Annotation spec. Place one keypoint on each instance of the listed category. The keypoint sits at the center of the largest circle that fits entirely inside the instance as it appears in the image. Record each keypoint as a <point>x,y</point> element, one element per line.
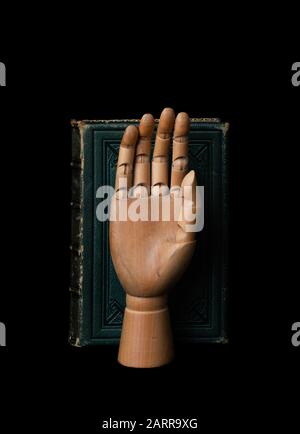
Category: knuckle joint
<point>181,163</point>
<point>160,158</point>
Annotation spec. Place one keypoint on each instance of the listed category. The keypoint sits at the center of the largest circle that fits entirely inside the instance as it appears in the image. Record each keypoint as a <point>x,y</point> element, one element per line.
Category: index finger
<point>180,149</point>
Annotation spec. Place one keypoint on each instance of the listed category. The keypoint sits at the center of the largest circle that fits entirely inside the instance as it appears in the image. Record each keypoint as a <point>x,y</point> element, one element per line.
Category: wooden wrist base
<point>146,339</point>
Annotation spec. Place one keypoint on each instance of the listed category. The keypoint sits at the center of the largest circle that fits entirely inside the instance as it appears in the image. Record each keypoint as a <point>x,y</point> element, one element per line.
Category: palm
<point>147,255</point>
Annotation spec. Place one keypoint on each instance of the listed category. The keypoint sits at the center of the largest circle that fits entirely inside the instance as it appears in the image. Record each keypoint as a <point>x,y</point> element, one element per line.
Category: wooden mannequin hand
<point>150,256</point>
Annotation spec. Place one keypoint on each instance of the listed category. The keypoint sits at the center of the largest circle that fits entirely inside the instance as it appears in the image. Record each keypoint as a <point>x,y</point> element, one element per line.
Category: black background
<point>87,75</point>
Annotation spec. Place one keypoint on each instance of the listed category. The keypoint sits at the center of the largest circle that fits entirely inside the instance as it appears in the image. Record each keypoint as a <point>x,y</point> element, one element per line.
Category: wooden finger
<point>180,150</point>
<point>142,155</point>
<point>188,208</point>
<point>161,148</point>
<point>126,159</point>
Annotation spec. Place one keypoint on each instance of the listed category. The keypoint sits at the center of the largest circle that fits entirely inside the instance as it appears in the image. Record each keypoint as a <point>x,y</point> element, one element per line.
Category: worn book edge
<point>81,124</point>
<point>77,123</point>
<point>76,248</point>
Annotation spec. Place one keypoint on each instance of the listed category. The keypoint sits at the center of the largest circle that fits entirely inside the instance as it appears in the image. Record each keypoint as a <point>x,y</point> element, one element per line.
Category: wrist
<point>146,304</point>
<point>146,339</point>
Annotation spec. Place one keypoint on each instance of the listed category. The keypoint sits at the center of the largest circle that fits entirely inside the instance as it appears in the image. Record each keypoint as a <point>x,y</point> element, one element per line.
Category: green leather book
<point>198,302</point>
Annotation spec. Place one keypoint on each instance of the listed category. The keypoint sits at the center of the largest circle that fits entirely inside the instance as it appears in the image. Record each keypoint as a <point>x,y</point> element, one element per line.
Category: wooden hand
<point>150,256</point>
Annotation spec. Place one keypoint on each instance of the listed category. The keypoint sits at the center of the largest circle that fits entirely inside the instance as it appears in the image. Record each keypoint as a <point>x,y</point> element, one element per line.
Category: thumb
<point>188,208</point>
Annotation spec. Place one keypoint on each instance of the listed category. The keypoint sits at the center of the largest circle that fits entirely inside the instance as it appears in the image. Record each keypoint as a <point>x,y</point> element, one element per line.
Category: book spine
<point>76,247</point>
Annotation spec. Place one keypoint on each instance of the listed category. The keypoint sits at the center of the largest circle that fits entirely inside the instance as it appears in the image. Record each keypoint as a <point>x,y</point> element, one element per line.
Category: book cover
<point>198,302</point>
